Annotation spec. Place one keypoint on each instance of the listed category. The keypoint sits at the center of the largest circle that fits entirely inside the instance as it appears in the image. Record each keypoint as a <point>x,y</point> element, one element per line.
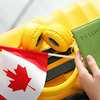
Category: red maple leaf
<point>21,79</point>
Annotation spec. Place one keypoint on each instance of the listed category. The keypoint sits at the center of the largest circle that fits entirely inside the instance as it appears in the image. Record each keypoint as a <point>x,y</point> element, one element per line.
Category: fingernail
<point>89,57</point>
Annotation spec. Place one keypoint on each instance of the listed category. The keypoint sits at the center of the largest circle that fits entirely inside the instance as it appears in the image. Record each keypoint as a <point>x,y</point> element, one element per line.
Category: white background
<point>14,13</point>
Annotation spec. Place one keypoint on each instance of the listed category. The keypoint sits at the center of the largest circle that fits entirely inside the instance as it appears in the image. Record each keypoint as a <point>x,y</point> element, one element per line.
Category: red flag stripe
<point>2,98</point>
<point>38,58</point>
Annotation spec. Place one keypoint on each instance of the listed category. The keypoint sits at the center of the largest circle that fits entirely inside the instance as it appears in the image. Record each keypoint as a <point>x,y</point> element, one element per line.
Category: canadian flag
<point>22,73</point>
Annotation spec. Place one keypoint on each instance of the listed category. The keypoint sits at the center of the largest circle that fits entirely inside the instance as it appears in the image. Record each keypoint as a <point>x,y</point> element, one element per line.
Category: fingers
<point>79,64</point>
<point>92,64</point>
<point>84,64</point>
<point>84,74</point>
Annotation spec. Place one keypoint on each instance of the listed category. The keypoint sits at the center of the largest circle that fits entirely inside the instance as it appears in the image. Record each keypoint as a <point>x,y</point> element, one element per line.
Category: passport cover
<point>87,37</point>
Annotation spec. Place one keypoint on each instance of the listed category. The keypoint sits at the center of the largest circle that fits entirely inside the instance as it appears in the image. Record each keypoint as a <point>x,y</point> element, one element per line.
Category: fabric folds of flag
<point>22,73</point>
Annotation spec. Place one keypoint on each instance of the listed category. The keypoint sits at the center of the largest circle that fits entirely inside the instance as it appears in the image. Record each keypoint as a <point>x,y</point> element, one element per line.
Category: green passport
<point>87,37</point>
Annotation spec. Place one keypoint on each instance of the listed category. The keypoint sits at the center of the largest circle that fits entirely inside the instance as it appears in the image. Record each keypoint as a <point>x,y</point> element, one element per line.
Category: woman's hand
<point>90,83</point>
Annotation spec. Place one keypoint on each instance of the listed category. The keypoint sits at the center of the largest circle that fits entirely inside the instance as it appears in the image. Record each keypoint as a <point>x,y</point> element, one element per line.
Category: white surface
<point>18,12</point>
